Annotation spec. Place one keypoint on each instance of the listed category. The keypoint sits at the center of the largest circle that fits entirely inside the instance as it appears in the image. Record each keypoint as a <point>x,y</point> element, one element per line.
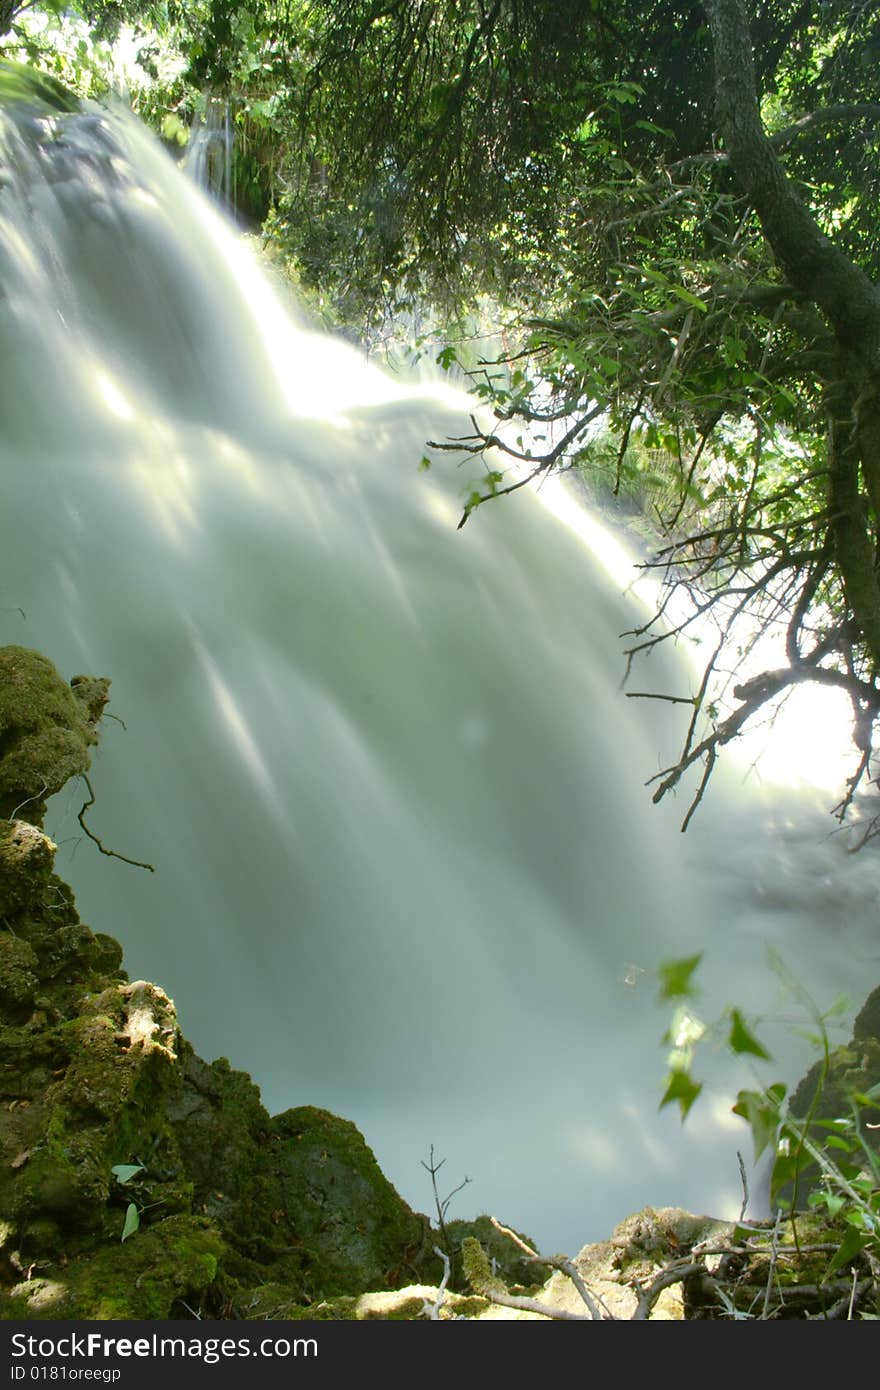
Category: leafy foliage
<point>821,1156</point>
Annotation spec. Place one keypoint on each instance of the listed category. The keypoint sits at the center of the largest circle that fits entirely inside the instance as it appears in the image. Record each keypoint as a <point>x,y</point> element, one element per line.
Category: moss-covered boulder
<point>838,1090</point>
<point>341,1205</point>
<point>168,1268</point>
<point>46,730</point>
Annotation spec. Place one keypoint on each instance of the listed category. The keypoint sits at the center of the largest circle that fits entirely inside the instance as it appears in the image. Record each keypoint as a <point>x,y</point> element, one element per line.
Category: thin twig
<point>442,1205</point>
<point>745,1185</point>
<point>36,797</point>
<point>111,853</point>
<point>432,1310</point>
<point>672,1274</point>
<point>771,1267</point>
<point>652,695</point>
<point>564,1265</point>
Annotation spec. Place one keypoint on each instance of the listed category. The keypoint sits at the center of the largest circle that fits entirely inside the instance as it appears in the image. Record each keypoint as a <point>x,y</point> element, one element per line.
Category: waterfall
<point>405,864</point>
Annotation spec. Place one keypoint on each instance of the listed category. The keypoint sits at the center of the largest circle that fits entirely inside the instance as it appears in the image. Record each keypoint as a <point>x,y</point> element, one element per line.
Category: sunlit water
<point>406,867</point>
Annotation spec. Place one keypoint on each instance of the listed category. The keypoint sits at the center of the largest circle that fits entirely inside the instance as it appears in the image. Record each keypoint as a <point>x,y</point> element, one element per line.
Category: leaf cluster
<point>822,1159</point>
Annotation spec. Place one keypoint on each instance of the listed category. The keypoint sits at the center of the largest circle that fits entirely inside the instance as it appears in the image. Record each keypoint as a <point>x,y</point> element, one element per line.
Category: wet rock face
<point>95,1077</point>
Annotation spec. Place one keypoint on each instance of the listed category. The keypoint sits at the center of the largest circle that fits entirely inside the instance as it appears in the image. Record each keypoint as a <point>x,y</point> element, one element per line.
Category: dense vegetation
<point>660,222</point>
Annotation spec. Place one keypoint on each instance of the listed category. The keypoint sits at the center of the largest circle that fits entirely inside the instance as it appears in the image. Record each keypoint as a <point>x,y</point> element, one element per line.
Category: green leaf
<point>675,977</point>
<point>742,1039</point>
<point>688,298</point>
<point>842,1006</point>
<point>761,1110</point>
<point>852,1245</point>
<point>124,1172</point>
<point>827,1200</point>
<point>855,1217</point>
<point>132,1221</point>
<point>652,128</point>
<point>787,1168</point>
<point>834,1141</point>
<point>681,1087</point>
<point>424,463</point>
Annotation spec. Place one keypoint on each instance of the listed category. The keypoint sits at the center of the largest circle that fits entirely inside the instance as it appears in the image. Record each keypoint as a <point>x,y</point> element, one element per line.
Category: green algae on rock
<point>47,729</point>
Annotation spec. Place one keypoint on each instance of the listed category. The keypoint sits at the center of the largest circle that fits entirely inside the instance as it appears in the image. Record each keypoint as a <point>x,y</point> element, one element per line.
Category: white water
<point>406,868</point>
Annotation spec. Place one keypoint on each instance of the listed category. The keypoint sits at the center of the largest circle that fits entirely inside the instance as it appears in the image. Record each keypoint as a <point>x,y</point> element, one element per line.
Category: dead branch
<point>111,853</point>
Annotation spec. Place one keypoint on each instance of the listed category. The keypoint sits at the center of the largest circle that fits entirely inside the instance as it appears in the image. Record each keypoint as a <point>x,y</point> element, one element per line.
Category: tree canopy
<point>667,214</point>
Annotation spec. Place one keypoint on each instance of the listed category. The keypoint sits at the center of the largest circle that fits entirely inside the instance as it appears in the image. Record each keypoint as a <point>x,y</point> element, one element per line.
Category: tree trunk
<point>842,291</point>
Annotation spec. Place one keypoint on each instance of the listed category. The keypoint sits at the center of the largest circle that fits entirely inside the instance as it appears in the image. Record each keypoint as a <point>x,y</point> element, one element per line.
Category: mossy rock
<point>409,1304</point>
<point>46,730</point>
<point>512,1265</point>
<point>342,1207</point>
<point>26,859</point>
<point>144,1277</point>
<point>853,1071</point>
<point>221,1126</point>
<point>867,1023</point>
<point>89,1093</point>
<point>18,980</point>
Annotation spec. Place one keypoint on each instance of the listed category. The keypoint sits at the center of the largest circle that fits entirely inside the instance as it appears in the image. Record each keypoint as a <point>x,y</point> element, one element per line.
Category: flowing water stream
<point>406,867</point>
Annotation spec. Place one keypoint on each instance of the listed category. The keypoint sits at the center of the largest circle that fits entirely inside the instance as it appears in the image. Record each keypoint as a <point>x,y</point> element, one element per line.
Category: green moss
<point>405,1310</point>
<point>144,1277</point>
<point>357,1228</point>
<point>46,732</point>
<point>508,1260</point>
<point>867,1024</point>
<point>26,858</point>
<point>103,1102</point>
<point>478,1270</point>
<point>342,1309</point>
<point>18,981</point>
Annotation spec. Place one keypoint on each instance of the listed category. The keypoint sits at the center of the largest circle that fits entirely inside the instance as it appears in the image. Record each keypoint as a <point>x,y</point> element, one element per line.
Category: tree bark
<point>810,259</point>
<point>841,290</point>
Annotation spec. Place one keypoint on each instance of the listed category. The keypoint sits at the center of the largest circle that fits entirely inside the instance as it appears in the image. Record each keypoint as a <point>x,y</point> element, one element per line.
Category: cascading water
<point>405,865</point>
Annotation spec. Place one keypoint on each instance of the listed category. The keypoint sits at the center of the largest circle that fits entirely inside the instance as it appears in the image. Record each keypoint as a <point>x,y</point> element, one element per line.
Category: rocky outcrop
<point>827,1090</point>
<point>47,729</point>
